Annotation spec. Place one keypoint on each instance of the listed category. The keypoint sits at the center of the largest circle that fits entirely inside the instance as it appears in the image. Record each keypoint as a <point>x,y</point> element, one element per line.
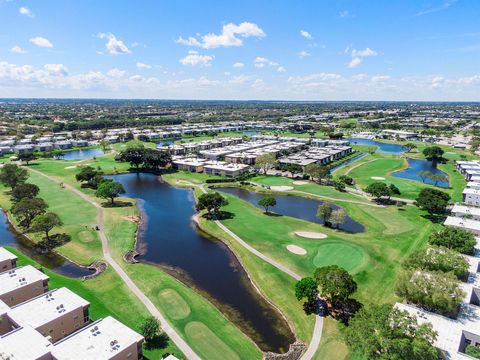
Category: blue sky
<point>279,50</point>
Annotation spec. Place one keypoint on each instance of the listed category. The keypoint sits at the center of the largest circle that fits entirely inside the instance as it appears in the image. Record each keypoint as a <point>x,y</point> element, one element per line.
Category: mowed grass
<point>180,304</point>
<point>108,296</point>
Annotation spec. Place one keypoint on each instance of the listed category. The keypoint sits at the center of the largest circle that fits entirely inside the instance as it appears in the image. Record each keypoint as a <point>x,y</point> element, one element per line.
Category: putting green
<point>209,345</point>
<point>175,306</point>
<point>349,256</point>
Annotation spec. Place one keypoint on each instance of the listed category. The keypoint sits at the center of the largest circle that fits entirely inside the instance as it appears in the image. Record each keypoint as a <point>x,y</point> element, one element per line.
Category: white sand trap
<point>70,167</point>
<point>377,178</point>
<point>310,235</point>
<point>281,188</point>
<point>300,182</point>
<point>296,250</point>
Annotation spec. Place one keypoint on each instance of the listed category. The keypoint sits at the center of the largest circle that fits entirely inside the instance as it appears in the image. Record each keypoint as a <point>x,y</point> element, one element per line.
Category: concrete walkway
<point>317,331</point>
<point>170,331</point>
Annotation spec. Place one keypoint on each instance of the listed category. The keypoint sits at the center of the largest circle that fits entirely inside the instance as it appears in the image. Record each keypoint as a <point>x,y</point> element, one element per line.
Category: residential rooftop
<point>24,343</point>
<point>19,277</point>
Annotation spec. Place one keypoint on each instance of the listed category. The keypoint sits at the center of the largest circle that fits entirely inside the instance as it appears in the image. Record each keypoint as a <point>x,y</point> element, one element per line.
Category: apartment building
<point>55,314</point>
<point>7,260</point>
<point>25,343</point>
<point>21,284</point>
<point>105,339</point>
<point>471,196</point>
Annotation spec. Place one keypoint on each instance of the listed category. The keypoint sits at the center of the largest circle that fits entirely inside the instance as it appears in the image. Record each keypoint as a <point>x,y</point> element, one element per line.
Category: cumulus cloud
<point>116,73</point>
<point>25,11</point>
<point>344,14</point>
<point>238,65</point>
<point>195,59</point>
<point>56,69</point>
<point>17,50</point>
<point>281,69</point>
<point>114,45</point>
<point>143,66</point>
<point>261,62</point>
<point>41,42</point>
<point>306,34</point>
<point>302,54</point>
<point>231,35</point>
<point>358,55</point>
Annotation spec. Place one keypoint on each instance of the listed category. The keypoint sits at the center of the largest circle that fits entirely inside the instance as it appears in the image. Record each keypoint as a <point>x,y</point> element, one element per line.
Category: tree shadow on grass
<point>221,215</point>
<point>272,214</point>
<point>116,204</point>
<point>55,240</point>
<point>160,341</point>
<point>435,218</point>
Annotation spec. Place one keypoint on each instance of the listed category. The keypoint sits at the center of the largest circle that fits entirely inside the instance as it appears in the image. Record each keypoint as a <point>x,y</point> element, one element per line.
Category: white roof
<point>24,343</point>
<point>19,277</point>
<point>101,340</point>
<point>473,184</point>
<point>47,307</point>
<point>6,255</point>
<point>468,210</point>
<point>471,191</point>
<point>4,308</point>
<point>463,223</point>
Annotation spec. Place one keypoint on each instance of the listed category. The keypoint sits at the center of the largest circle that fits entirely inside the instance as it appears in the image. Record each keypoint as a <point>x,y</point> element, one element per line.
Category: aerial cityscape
<point>247,180</point>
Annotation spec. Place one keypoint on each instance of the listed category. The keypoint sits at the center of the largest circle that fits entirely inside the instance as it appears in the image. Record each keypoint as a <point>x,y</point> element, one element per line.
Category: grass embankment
<point>202,324</point>
<point>205,329</point>
<point>107,296</point>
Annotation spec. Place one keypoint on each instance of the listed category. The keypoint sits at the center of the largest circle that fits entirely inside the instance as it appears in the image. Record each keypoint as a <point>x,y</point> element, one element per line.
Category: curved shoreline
<point>218,305</point>
<point>98,266</point>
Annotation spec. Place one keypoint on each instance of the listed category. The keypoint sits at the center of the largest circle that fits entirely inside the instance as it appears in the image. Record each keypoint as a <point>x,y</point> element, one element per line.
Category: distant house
<point>471,196</point>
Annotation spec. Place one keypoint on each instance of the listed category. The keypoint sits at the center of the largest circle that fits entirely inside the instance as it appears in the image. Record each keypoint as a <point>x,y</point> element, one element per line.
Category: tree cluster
<point>139,156</point>
<point>330,215</point>
<point>433,201</point>
<point>379,190</point>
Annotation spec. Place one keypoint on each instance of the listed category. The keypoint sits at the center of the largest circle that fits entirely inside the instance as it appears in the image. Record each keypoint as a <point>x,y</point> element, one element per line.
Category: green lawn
<point>107,296</point>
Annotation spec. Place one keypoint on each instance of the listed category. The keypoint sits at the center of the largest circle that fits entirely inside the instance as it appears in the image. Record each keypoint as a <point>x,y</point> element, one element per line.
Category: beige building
<point>106,339</point>
<point>25,343</point>
<point>21,284</point>
<point>7,260</point>
<point>55,314</point>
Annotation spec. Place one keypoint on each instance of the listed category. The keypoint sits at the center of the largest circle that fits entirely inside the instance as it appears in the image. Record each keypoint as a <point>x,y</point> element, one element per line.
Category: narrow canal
<point>293,206</point>
<point>169,238</point>
<point>52,261</point>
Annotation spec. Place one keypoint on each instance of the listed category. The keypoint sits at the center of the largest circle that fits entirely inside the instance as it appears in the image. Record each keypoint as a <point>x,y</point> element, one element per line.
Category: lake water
<point>249,132</point>
<point>164,143</point>
<point>170,238</point>
<point>382,147</point>
<point>293,206</point>
<point>82,154</point>
<point>416,166</point>
<point>52,261</point>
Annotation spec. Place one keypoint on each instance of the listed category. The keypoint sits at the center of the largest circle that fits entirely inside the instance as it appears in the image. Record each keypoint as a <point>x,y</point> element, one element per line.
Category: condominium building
<point>25,343</point>
<point>7,260</point>
<point>105,339</point>
<point>55,314</point>
<point>21,284</point>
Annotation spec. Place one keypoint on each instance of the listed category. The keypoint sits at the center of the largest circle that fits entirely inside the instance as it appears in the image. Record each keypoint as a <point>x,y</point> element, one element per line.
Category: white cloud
<point>380,78</point>
<point>142,65</point>
<point>17,50</point>
<point>41,42</point>
<point>306,34</point>
<point>25,11</point>
<point>303,54</point>
<point>114,46</point>
<point>344,14</point>
<point>358,55</point>
<point>444,6</point>
<point>238,65</point>
<point>116,73</point>
<point>195,59</point>
<point>261,62</point>
<point>354,62</point>
<point>231,35</point>
<point>240,79</point>
<point>281,69</point>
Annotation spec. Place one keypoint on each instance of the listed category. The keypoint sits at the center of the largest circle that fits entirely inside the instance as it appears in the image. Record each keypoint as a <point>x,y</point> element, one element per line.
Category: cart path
<point>166,327</point>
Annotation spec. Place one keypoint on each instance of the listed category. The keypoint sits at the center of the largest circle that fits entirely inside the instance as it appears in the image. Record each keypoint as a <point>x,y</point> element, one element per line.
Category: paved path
<point>317,331</point>
<point>170,331</point>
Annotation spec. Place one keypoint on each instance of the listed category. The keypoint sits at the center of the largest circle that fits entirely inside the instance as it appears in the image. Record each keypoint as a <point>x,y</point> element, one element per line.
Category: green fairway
<point>107,295</point>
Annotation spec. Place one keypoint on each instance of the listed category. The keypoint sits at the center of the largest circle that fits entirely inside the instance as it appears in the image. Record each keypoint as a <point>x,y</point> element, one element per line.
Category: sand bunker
<point>70,167</point>
<point>310,235</point>
<point>300,182</point>
<point>296,249</point>
<point>281,188</point>
<point>377,178</point>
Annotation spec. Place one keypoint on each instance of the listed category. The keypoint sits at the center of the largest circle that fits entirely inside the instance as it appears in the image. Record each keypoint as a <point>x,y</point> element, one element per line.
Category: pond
<point>82,154</point>
<point>415,166</point>
<point>249,132</point>
<point>168,237</point>
<point>382,147</point>
<point>293,206</point>
<point>164,143</point>
<point>52,261</point>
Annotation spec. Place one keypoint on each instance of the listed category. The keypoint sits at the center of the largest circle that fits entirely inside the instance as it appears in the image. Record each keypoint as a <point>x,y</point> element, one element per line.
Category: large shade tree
<point>27,209</point>
<point>45,223</point>
<point>109,190</point>
<point>455,238</point>
<point>432,200</point>
<point>12,175</point>
<point>381,332</point>
<point>335,283</point>
<point>212,202</point>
